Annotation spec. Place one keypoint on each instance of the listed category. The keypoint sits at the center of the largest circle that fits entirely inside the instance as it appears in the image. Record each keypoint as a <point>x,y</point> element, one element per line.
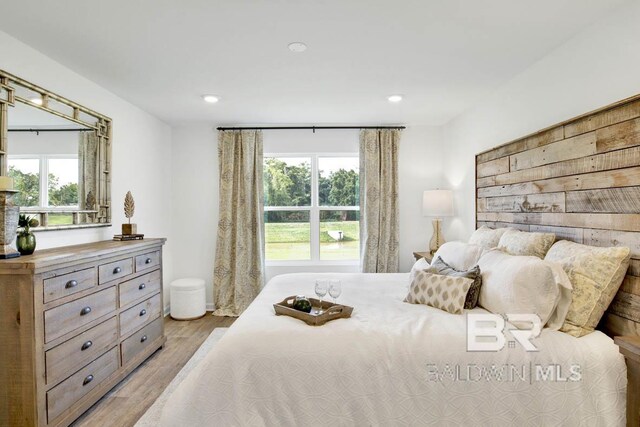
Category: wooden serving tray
<point>330,311</point>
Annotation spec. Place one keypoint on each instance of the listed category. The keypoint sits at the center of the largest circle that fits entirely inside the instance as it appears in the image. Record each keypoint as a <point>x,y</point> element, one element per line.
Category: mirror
<point>58,155</point>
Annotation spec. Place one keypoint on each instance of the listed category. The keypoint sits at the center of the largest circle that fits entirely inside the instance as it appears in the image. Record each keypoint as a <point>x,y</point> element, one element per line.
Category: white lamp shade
<point>437,203</point>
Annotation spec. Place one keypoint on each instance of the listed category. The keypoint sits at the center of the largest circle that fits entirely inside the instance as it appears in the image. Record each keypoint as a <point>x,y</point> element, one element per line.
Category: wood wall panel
<point>607,200</point>
<point>549,202</point>
<point>493,167</point>
<point>588,181</point>
<point>605,117</point>
<point>600,162</point>
<point>572,148</point>
<point>579,179</point>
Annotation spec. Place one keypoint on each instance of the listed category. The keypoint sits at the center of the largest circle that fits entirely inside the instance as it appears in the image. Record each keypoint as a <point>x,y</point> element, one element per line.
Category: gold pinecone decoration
<point>129,206</point>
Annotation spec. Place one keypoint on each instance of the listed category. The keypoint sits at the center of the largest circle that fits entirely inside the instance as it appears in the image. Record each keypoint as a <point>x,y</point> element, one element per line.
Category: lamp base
<point>437,239</point>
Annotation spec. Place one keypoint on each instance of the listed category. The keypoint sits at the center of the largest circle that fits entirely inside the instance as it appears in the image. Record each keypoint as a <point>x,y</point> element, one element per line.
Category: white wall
<point>599,66</point>
<point>195,183</point>
<point>141,149</point>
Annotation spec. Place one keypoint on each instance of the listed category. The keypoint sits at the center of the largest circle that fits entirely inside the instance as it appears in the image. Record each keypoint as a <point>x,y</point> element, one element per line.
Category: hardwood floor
<point>130,399</point>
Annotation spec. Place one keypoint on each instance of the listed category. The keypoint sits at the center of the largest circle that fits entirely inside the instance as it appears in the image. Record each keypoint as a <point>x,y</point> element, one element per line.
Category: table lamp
<point>437,204</point>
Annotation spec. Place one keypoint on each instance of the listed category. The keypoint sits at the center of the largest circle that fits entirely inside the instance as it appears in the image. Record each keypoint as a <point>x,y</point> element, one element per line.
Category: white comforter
<point>387,366</point>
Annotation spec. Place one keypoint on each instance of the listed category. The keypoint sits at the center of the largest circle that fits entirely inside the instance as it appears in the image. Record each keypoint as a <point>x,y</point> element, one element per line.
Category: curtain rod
<point>51,130</point>
<point>313,128</point>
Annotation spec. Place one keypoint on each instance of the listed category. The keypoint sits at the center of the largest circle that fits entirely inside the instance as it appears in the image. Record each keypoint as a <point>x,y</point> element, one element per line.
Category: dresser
<point>74,321</point>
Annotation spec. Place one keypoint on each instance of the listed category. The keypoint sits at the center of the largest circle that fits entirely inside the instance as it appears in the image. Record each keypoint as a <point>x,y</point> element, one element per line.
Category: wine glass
<point>321,290</point>
<point>335,289</point>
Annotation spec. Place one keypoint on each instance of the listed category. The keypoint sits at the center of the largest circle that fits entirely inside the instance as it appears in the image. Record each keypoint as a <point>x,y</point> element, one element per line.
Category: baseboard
<point>167,309</point>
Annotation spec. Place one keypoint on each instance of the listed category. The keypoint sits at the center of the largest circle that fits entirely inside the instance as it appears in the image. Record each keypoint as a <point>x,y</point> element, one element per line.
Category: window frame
<point>43,196</point>
<point>314,211</point>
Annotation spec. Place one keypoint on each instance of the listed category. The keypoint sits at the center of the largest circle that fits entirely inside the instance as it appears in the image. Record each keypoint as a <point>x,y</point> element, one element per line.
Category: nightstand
<point>425,255</point>
<point>630,349</point>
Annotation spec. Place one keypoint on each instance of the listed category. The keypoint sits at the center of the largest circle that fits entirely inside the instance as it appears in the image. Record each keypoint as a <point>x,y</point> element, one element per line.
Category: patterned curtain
<point>379,200</point>
<point>239,261</point>
<point>88,173</point>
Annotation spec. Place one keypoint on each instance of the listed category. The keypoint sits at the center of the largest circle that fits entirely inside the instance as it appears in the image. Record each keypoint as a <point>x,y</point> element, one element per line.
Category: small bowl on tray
<point>330,311</point>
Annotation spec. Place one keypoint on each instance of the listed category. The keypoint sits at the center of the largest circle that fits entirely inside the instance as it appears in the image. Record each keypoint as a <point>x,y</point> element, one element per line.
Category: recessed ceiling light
<point>36,100</point>
<point>297,47</point>
<point>395,98</point>
<point>211,99</point>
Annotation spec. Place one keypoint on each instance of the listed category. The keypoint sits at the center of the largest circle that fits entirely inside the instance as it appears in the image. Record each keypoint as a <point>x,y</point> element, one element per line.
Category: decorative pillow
<point>523,285</point>
<point>444,292</point>
<point>459,255</point>
<point>440,267</point>
<point>596,274</point>
<point>421,264</point>
<point>516,242</point>
<point>486,237</point>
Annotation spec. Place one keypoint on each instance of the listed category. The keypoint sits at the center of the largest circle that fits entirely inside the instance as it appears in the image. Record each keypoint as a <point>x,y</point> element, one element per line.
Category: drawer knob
<point>147,261</point>
<point>86,345</point>
<point>143,339</point>
<point>142,286</point>
<point>71,284</point>
<point>117,270</point>
<point>87,379</point>
<point>85,311</point>
<point>143,312</point>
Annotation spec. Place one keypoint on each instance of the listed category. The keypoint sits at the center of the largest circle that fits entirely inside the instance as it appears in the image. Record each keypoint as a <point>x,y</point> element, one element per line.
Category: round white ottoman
<point>188,300</point>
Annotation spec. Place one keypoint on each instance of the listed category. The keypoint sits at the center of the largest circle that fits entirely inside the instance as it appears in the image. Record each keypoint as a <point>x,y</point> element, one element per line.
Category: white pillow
<point>524,285</point>
<point>459,255</point>
<point>421,264</point>
<point>487,237</point>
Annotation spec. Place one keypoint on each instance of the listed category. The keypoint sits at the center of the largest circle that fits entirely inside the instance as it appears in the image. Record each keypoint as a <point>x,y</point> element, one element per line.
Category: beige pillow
<point>487,237</point>
<point>444,292</point>
<point>516,242</point>
<point>596,274</point>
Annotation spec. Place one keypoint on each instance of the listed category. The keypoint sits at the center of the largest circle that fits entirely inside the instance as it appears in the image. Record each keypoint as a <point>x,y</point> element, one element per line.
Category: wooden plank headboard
<point>579,179</point>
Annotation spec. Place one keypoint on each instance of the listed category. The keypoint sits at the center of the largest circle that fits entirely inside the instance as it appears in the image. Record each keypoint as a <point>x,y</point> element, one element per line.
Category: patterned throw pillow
<point>439,266</point>
<point>596,274</point>
<point>446,293</point>
<point>524,243</point>
<point>487,237</point>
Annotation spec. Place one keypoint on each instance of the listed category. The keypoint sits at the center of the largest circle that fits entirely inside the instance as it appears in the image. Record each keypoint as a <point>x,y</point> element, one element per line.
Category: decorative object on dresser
<point>438,204</point>
<point>26,240</point>
<point>129,209</point>
<point>8,218</point>
<point>74,321</point>
<point>579,179</point>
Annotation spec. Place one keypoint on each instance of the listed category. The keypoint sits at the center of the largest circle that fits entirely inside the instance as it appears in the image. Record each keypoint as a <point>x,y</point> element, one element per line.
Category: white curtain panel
<point>239,260</point>
<point>379,200</point>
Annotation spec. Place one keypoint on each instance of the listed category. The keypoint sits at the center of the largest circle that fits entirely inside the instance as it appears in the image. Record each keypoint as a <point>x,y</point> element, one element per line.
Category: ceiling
<point>162,55</point>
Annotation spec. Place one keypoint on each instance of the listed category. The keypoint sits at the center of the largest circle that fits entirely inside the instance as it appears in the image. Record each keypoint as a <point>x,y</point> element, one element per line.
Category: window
<point>311,205</point>
<point>46,182</point>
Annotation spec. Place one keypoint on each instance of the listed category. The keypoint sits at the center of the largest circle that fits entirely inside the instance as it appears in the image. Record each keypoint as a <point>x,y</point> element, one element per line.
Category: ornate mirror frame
<point>100,216</point>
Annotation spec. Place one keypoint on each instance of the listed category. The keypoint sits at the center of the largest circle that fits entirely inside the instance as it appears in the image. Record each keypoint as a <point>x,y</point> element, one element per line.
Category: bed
<point>394,363</point>
<point>387,365</point>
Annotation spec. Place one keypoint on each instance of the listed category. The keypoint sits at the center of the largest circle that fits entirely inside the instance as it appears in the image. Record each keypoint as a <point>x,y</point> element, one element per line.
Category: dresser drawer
<point>65,359</point>
<point>139,314</point>
<point>147,261</point>
<point>75,314</point>
<point>82,382</point>
<point>141,340</point>
<point>115,270</point>
<point>70,283</point>
<point>140,287</point>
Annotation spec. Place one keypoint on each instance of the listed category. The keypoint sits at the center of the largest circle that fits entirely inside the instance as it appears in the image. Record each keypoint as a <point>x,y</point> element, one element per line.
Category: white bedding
<point>385,366</point>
